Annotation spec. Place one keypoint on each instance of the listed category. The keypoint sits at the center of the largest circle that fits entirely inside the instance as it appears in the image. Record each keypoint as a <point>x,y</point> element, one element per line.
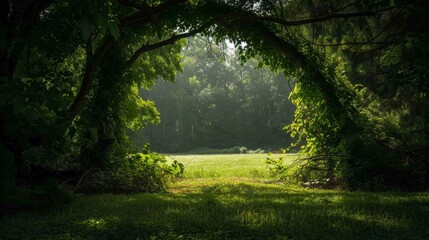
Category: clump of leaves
<point>309,171</point>
<point>141,172</point>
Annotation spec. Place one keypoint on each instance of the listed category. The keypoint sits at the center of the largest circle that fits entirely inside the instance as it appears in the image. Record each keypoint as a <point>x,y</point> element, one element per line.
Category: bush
<point>310,172</point>
<point>142,172</point>
<point>256,151</point>
<point>232,150</point>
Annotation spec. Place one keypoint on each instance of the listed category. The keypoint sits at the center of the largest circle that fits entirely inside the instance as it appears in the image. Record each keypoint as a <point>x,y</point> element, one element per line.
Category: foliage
<point>140,172</point>
<point>350,135</point>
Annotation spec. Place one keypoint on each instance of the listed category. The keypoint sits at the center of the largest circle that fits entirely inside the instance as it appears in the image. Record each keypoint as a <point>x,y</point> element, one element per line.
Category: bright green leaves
<point>194,83</point>
<point>161,63</point>
<point>138,112</point>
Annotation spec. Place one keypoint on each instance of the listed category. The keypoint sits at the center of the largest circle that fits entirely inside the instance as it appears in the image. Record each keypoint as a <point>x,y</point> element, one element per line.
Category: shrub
<point>243,150</point>
<point>309,171</point>
<point>256,151</point>
<point>232,150</point>
<point>141,172</point>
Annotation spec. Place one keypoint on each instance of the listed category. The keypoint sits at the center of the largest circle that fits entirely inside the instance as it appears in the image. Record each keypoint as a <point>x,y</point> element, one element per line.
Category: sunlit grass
<point>225,207</point>
<point>227,165</point>
<point>231,209</point>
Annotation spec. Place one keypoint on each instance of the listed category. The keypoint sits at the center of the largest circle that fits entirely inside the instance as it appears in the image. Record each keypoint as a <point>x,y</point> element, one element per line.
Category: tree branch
<point>322,18</point>
<point>135,5</point>
<point>93,60</point>
<point>147,14</point>
<point>290,52</point>
<point>171,40</point>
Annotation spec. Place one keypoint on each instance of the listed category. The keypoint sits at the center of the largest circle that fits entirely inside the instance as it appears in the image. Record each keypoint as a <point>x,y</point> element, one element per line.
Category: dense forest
<point>218,103</point>
<point>70,74</point>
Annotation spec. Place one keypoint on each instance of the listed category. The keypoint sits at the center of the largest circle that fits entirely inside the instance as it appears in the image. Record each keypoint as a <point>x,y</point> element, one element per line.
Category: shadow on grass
<point>232,211</point>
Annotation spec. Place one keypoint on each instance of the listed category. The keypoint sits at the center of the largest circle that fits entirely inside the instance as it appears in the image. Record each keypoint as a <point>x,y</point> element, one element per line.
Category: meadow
<point>229,197</point>
<point>227,165</point>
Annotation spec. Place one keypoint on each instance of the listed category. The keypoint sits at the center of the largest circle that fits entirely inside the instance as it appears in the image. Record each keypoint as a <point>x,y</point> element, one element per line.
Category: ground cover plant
<point>229,207</point>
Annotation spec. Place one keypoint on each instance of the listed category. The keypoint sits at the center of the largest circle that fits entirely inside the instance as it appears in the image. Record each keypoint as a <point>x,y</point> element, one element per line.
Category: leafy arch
<point>141,35</point>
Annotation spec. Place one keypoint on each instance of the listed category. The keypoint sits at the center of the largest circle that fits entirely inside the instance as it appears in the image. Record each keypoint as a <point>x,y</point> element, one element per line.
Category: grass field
<point>214,203</point>
<point>227,165</point>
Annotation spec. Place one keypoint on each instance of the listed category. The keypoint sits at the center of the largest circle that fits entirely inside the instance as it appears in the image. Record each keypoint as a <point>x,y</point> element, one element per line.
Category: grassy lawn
<point>228,206</point>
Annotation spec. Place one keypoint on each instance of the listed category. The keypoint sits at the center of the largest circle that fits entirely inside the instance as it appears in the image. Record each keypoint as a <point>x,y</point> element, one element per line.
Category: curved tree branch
<point>93,60</point>
<point>171,40</point>
<point>322,18</point>
<point>290,52</point>
<point>146,13</point>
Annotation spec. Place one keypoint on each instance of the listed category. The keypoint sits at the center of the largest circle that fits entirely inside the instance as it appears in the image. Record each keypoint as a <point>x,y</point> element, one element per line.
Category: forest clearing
<point>282,119</point>
<point>232,205</point>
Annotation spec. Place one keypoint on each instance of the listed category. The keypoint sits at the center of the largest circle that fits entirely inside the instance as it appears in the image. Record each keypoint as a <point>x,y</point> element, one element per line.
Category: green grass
<point>227,165</point>
<point>230,207</point>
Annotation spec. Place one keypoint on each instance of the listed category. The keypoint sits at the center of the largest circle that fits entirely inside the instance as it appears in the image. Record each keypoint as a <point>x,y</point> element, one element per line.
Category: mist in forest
<point>218,102</point>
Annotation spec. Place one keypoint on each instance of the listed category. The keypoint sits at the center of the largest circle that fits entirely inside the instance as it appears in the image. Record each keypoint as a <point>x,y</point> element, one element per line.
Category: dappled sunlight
<point>97,224</point>
<point>241,208</point>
